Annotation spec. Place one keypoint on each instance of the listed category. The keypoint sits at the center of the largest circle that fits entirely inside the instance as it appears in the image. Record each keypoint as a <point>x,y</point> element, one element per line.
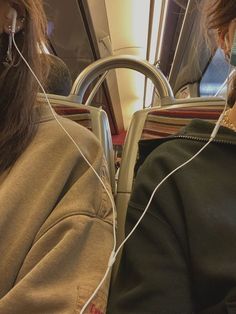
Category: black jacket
<point>182,257</point>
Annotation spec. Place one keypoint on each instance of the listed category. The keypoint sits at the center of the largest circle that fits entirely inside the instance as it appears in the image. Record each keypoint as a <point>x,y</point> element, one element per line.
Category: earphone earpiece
<point>13,23</point>
<point>13,16</point>
<point>14,19</point>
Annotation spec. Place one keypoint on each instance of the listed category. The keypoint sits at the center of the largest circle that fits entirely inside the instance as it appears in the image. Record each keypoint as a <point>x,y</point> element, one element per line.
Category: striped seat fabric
<point>165,122</point>
<point>79,115</point>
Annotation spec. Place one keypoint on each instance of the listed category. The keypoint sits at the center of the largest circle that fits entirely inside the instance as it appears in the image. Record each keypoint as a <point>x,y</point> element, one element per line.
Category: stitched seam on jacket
<point>141,210</point>
<point>68,216</point>
<point>105,198</point>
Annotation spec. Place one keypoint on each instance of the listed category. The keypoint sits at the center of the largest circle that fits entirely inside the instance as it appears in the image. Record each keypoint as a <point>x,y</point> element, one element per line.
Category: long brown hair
<point>18,88</point>
<point>217,15</point>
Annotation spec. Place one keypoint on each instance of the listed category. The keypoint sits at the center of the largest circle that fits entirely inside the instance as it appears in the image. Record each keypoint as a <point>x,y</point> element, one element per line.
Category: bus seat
<point>165,122</point>
<point>94,119</point>
<point>155,123</point>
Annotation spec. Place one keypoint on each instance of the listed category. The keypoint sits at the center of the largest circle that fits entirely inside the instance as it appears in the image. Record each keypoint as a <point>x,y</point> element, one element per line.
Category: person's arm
<point>62,269</point>
<point>70,252</point>
<point>153,276</point>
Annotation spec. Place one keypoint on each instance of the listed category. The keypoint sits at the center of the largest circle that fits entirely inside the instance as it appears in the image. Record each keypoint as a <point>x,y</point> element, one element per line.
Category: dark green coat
<point>182,257</point>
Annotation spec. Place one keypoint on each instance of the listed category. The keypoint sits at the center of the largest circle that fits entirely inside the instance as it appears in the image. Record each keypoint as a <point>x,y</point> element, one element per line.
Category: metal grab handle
<point>95,89</point>
<point>95,69</point>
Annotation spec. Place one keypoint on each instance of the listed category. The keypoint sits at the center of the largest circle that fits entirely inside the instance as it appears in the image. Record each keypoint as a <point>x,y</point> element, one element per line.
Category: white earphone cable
<point>115,252</point>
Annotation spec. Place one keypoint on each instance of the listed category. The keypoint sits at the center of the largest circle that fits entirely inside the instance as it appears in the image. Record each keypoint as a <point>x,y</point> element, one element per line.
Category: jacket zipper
<point>201,139</point>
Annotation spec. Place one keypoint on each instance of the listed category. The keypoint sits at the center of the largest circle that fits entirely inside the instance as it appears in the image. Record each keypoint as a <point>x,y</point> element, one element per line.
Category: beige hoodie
<point>55,224</point>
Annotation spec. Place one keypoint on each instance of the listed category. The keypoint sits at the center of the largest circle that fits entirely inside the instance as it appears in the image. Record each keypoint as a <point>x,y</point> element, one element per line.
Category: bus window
<point>215,75</point>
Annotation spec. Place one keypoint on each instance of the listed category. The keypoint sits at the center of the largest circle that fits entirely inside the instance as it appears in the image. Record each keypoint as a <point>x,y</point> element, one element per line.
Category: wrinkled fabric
<point>181,258</point>
<point>55,224</point>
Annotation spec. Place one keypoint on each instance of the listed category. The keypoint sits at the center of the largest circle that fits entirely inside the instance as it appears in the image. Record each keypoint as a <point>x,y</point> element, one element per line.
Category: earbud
<point>13,16</point>
<point>15,23</point>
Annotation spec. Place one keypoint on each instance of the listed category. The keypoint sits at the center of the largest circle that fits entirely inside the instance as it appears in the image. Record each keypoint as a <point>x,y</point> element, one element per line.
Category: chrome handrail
<point>98,67</point>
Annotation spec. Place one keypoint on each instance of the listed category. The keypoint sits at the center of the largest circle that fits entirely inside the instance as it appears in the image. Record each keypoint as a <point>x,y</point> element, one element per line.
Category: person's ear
<point>20,19</point>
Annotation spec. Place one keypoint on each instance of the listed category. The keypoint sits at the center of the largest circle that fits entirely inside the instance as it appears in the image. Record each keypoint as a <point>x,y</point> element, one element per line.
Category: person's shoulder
<point>178,146</point>
<point>74,132</point>
<point>160,162</point>
<point>74,128</point>
<point>65,134</point>
<point>169,151</point>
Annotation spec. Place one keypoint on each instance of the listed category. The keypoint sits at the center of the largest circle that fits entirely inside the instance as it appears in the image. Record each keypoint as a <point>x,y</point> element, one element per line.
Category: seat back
<point>94,119</point>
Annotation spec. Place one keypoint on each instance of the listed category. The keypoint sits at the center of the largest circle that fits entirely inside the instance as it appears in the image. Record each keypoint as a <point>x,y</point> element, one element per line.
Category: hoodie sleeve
<point>69,254</point>
<point>62,269</point>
